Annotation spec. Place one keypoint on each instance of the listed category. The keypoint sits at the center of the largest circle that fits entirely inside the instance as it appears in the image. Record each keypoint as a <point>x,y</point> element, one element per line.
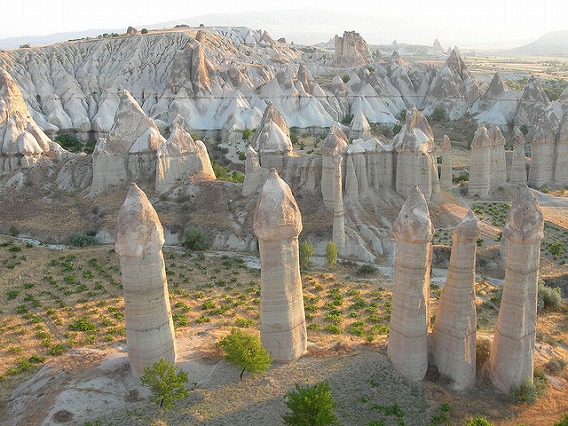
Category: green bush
<point>439,114</point>
<point>556,249</point>
<point>195,239</point>
<point>477,421</point>
<point>225,174</point>
<point>310,406</point>
<point>331,253</point>
<point>80,239</point>
<point>306,250</point>
<point>549,298</point>
<point>143,31</point>
<point>247,134</point>
<point>396,129</point>
<point>245,351</point>
<point>69,142</point>
<point>165,382</point>
<point>366,270</point>
<point>563,421</point>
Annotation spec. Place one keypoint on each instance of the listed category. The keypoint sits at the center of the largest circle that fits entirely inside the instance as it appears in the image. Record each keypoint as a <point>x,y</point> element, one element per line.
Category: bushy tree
<point>478,421</point>
<point>247,134</point>
<point>165,382</point>
<point>331,253</point>
<point>246,351</point>
<point>306,250</point>
<point>439,114</point>
<point>195,239</point>
<point>310,406</point>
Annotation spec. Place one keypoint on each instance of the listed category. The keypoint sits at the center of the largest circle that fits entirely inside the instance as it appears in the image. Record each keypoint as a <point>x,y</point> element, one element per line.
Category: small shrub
<point>247,134</point>
<point>549,298</point>
<point>346,78</point>
<point>477,421</point>
<point>396,129</point>
<point>439,114</point>
<point>331,252</point>
<point>165,382</point>
<point>69,142</point>
<point>310,406</point>
<point>241,155</point>
<point>80,239</point>
<point>144,31</point>
<point>366,270</point>
<point>347,119</point>
<point>563,421</point>
<point>556,249</point>
<point>246,351</point>
<point>306,250</point>
<point>195,239</point>
<point>13,231</point>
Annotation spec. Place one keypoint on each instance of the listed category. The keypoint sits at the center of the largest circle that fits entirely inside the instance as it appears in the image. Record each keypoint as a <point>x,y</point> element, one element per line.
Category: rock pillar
<point>139,240</point>
<point>454,332</point>
<point>277,224</point>
<point>446,174</point>
<point>498,162</point>
<point>543,148</point>
<point>518,168</point>
<point>412,232</point>
<point>561,157</point>
<point>338,212</point>
<point>480,167</point>
<point>511,360</point>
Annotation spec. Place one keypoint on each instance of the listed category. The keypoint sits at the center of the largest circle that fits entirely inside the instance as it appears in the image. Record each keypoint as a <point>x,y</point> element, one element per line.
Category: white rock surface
<point>518,173</point>
<point>480,165</point>
<point>277,224</point>
<point>408,342</point>
<point>454,331</point>
<point>511,360</point>
<point>139,239</point>
<point>543,146</point>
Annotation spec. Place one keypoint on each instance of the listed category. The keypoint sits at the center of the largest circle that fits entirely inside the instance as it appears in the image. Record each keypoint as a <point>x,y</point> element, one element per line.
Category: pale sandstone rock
<point>408,343</point>
<point>518,164</point>
<point>335,142</point>
<point>360,127</point>
<point>498,162</point>
<point>139,240</point>
<point>272,140</point>
<point>277,224</point>
<point>454,331</point>
<point>446,174</point>
<point>561,157</point>
<point>416,165</point>
<point>533,100</point>
<point>480,166</point>
<point>254,174</point>
<point>511,359</point>
<point>182,158</point>
<point>543,143</point>
<point>351,50</point>
<point>338,212</point>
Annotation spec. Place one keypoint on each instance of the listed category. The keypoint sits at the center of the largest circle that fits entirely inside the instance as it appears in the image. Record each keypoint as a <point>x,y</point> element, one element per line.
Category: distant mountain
<point>15,42</point>
<point>551,44</point>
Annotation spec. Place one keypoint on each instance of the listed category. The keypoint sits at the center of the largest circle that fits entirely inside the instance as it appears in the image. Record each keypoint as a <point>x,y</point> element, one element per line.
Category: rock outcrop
<point>335,143</point>
<point>454,331</point>
<point>360,127</point>
<point>446,174</point>
<point>351,50</point>
<point>543,145</point>
<point>416,164</point>
<point>518,175</point>
<point>498,162</point>
<point>512,353</point>
<point>181,158</point>
<point>497,105</point>
<point>277,224</point>
<point>129,151</point>
<point>408,343</point>
<point>480,165</point>
<point>561,156</point>
<point>139,240</point>
<point>22,143</point>
<point>272,139</point>
<point>254,174</point>
<point>533,101</point>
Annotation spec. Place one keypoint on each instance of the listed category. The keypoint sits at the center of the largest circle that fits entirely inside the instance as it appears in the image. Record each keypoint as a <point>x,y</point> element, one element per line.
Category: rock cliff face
<point>22,142</point>
<point>454,331</point>
<point>512,353</point>
<point>351,50</point>
<point>408,343</point>
<point>139,240</point>
<point>277,224</point>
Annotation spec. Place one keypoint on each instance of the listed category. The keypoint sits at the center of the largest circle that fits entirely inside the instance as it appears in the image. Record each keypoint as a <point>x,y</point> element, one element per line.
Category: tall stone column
<point>277,224</point>
<point>454,332</point>
<point>518,168</point>
<point>543,147</point>
<point>561,157</point>
<point>480,167</point>
<point>498,161</point>
<point>412,232</point>
<point>139,240</point>
<point>512,353</point>
<point>338,212</point>
<point>446,174</point>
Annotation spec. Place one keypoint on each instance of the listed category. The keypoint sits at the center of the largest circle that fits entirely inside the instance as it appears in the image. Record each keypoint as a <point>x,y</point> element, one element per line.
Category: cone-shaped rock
<point>512,353</point>
<point>454,332</point>
<point>139,240</point>
<point>277,224</point>
<point>412,232</point>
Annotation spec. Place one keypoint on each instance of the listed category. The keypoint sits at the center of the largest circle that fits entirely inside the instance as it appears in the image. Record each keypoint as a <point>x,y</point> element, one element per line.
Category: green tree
<point>165,382</point>
<point>439,114</point>
<point>477,421</point>
<point>195,239</point>
<point>331,252</point>
<point>310,406</point>
<point>306,250</point>
<point>247,134</point>
<point>246,351</point>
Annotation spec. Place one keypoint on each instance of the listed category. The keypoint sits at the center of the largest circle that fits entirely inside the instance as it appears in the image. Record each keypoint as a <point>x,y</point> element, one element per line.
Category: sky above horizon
<point>481,23</point>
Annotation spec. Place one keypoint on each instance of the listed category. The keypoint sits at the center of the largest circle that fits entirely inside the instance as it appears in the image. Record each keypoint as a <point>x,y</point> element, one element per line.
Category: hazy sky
<point>465,23</point>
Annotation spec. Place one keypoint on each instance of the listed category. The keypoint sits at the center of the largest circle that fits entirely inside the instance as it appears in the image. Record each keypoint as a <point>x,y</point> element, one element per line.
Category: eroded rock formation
<point>277,224</point>
<point>512,353</point>
<point>335,143</point>
<point>412,232</point>
<point>272,139</point>
<point>518,173</point>
<point>481,160</point>
<point>543,143</point>
<point>454,331</point>
<point>446,174</point>
<point>139,240</point>
<point>351,50</point>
